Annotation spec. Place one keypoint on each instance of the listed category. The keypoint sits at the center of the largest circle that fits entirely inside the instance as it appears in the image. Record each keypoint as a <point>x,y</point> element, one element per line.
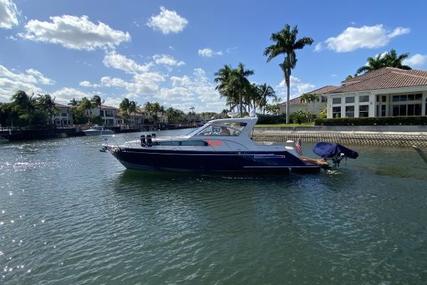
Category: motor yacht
<point>219,146</point>
<point>98,131</point>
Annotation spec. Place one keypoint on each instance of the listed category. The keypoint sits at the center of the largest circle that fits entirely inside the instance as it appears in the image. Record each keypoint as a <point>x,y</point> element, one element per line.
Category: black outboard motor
<point>153,135</point>
<point>334,152</point>
<point>143,141</point>
<point>149,141</point>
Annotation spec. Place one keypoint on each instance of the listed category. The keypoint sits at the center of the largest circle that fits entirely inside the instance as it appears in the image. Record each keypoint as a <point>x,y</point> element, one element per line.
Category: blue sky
<point>168,51</point>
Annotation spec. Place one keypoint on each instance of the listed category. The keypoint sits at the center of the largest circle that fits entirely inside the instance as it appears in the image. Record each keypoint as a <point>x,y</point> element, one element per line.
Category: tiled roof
<point>319,91</point>
<point>384,78</point>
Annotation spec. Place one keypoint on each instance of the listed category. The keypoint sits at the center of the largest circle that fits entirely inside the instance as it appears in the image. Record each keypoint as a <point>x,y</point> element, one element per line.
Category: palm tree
<point>309,97</point>
<point>46,104</point>
<point>264,92</point>
<point>389,59</point>
<point>96,101</point>
<point>234,84</point>
<point>286,43</point>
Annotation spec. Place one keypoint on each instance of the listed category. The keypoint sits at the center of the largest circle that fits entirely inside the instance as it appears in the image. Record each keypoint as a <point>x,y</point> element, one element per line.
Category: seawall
<point>345,136</point>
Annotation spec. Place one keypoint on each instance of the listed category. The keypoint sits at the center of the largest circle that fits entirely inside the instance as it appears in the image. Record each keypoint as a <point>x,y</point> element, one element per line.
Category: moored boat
<point>219,146</point>
<point>98,131</point>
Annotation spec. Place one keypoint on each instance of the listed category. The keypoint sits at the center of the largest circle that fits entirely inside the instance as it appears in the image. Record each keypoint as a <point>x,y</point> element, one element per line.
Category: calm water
<point>70,214</point>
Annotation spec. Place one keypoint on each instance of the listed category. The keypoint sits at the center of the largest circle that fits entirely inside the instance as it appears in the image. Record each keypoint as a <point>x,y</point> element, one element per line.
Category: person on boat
<point>224,131</point>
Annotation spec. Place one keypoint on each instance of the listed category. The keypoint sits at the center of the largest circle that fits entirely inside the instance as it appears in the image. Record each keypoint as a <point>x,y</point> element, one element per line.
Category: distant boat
<point>98,131</point>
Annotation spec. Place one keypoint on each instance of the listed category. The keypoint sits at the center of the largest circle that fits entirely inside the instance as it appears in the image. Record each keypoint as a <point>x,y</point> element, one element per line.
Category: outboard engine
<point>334,152</point>
<point>149,141</point>
<point>143,141</point>
<point>153,135</point>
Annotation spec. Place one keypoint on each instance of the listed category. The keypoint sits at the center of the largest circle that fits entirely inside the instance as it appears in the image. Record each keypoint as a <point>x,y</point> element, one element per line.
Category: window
<point>349,99</point>
<point>336,100</point>
<point>364,98</point>
<point>324,99</point>
<point>407,110</point>
<point>349,111</point>
<point>363,111</point>
<point>225,129</point>
<point>336,112</point>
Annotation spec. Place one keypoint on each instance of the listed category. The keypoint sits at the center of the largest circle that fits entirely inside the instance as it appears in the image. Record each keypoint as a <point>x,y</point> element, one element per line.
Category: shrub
<point>372,121</point>
<point>300,117</point>
<point>271,119</point>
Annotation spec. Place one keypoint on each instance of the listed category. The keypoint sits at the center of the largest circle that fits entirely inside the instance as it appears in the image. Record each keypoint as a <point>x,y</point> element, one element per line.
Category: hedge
<point>372,121</point>
<point>271,119</point>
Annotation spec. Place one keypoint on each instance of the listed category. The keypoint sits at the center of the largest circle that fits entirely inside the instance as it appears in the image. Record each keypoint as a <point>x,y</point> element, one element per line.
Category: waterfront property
<point>386,92</point>
<point>314,106</point>
<point>63,118</point>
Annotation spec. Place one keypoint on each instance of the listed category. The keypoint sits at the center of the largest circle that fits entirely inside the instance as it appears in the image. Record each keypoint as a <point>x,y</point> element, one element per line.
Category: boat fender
<point>143,142</point>
<point>149,141</point>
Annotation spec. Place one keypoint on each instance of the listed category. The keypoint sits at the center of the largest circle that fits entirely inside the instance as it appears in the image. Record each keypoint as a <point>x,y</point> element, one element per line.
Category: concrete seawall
<point>378,138</point>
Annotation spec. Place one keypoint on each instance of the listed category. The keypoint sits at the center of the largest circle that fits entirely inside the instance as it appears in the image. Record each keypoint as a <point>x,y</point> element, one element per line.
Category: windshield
<point>222,129</point>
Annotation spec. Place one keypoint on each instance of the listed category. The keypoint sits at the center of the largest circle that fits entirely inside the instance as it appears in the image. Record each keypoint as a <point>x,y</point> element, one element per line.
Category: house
<point>109,115</point>
<point>386,92</point>
<point>63,117</point>
<point>314,107</point>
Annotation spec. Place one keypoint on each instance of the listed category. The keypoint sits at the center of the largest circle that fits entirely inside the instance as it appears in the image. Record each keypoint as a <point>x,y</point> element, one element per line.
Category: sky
<point>169,51</point>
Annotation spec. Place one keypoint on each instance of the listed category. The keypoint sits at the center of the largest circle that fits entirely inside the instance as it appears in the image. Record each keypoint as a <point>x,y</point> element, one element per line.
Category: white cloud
<point>167,60</point>
<point>298,87</point>
<point>88,84</point>
<point>64,95</point>
<point>121,62</point>
<point>28,81</point>
<point>207,52</point>
<point>8,14</point>
<point>318,47</point>
<point>416,60</point>
<point>353,38</point>
<point>74,32</point>
<point>168,21</point>
<point>145,83</point>
<point>196,90</point>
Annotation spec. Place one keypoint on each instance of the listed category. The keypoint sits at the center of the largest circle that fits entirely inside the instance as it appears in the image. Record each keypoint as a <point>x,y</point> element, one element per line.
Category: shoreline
<point>350,137</point>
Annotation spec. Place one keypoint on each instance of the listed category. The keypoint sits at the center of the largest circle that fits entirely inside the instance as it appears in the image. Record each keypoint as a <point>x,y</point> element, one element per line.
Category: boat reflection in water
<point>222,146</point>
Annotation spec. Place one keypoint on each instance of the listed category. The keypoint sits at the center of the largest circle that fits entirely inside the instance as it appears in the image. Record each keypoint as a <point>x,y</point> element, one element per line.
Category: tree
<point>309,97</point>
<point>127,108</point>
<point>264,92</point>
<point>46,104</point>
<point>96,101</point>
<point>272,109</point>
<point>389,59</point>
<point>286,43</point>
<point>234,85</point>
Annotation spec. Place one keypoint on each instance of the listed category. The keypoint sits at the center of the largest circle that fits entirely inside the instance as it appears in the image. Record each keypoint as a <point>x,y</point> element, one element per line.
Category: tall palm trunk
<point>288,92</point>
<point>241,105</point>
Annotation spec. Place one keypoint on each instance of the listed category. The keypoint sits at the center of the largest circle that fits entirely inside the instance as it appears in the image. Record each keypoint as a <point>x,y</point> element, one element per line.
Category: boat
<point>222,146</point>
<point>98,131</point>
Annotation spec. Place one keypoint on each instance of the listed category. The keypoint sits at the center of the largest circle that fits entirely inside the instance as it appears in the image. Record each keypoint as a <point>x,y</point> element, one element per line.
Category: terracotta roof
<point>322,90</point>
<point>384,78</point>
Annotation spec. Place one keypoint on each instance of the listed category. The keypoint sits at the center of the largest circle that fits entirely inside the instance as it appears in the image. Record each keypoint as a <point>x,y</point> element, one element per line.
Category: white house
<point>386,92</point>
<point>315,107</point>
<point>63,117</point>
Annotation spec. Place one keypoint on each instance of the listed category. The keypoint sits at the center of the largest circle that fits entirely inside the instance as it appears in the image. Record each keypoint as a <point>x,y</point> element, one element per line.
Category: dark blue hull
<point>213,162</point>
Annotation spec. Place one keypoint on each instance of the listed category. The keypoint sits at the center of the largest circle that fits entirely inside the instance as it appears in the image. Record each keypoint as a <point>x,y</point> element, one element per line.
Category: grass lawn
<point>284,125</point>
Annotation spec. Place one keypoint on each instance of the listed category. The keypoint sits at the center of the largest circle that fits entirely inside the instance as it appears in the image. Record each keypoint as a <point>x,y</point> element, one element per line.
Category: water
<point>70,214</point>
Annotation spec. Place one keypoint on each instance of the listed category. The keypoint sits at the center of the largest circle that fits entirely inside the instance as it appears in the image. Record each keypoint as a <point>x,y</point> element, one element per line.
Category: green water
<point>70,214</point>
